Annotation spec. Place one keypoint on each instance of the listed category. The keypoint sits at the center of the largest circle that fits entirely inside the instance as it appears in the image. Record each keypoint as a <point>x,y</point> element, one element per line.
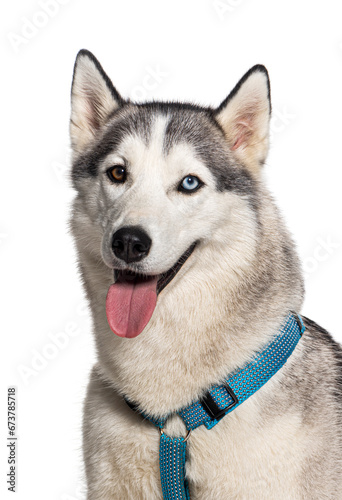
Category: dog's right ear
<point>93,97</point>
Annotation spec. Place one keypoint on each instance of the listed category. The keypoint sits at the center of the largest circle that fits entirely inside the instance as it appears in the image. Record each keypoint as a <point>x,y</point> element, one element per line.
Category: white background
<point>199,49</point>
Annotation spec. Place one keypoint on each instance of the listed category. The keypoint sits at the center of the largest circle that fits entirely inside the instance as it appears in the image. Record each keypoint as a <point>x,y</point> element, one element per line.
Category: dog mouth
<point>132,298</point>
<point>163,279</point>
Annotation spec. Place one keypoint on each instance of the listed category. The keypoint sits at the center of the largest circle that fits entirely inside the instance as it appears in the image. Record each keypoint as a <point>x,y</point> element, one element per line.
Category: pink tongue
<point>130,305</point>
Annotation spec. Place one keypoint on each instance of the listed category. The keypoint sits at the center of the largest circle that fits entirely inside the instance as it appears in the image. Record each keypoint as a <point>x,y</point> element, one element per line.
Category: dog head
<point>159,180</point>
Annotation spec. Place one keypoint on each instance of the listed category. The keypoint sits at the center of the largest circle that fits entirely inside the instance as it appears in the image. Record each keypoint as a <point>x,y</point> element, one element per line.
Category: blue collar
<point>220,400</point>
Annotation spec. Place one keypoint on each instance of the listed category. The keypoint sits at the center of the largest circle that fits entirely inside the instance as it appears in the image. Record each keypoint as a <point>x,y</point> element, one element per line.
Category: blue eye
<point>189,184</point>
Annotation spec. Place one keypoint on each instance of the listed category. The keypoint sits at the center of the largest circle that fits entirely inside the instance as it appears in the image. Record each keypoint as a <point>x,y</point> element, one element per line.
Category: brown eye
<point>116,174</point>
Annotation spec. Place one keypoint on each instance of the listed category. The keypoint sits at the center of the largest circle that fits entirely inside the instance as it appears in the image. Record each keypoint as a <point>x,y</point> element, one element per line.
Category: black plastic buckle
<point>210,406</point>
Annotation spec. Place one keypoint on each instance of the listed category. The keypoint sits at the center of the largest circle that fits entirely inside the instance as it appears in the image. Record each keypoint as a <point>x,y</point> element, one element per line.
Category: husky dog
<point>189,271</point>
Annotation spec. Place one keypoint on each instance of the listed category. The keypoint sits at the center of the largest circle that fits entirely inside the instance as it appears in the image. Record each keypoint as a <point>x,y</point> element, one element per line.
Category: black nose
<point>131,244</point>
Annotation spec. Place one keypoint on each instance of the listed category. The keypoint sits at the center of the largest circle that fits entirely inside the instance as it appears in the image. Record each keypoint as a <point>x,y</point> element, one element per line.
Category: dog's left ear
<point>93,98</point>
<point>245,116</point>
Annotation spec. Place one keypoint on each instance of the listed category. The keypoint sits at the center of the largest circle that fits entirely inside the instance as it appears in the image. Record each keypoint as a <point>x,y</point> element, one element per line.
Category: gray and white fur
<point>226,302</point>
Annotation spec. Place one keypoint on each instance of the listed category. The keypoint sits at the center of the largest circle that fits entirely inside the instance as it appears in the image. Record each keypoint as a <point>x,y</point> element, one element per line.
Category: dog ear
<point>245,116</point>
<point>93,97</point>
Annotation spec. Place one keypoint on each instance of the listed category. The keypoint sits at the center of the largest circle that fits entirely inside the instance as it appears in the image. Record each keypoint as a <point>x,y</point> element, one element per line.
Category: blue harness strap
<point>172,455</point>
<point>218,401</point>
